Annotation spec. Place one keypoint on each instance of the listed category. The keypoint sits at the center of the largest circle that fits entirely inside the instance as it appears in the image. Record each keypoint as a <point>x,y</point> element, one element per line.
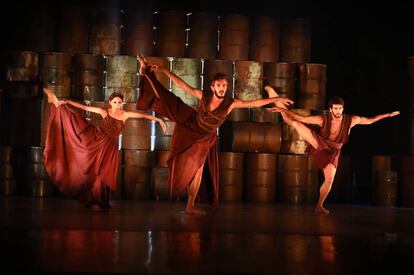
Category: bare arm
<point>97,110</point>
<point>360,120</point>
<point>260,102</point>
<point>146,116</point>
<point>178,81</point>
<point>316,120</point>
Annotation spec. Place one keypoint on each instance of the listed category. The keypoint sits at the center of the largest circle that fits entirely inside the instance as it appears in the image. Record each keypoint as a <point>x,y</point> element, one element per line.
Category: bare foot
<point>270,91</point>
<point>321,210</point>
<point>194,211</point>
<point>51,97</point>
<point>143,64</point>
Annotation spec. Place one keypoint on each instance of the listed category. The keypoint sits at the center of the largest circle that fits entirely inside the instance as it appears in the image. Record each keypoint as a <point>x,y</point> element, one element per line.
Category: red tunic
<point>82,159</point>
<point>194,141</point>
<point>330,150</point>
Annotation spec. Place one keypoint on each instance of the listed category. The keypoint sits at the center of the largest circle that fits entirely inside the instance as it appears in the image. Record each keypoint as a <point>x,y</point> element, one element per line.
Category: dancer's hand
<point>60,102</point>
<point>285,101</point>
<point>163,126</point>
<point>395,113</point>
<point>276,109</point>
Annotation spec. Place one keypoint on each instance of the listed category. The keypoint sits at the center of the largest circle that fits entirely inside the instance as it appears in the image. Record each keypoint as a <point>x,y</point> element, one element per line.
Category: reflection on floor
<point>59,235</point>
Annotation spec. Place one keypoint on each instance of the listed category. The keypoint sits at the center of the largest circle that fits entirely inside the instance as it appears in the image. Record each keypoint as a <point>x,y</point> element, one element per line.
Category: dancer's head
<point>115,100</point>
<point>336,106</point>
<point>219,85</point>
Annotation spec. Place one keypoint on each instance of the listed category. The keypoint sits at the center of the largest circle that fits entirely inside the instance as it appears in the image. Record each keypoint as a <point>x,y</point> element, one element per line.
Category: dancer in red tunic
<point>82,159</point>
<point>325,145</point>
<point>194,142</point>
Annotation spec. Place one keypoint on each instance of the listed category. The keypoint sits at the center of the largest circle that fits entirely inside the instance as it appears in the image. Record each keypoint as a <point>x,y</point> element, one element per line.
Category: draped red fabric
<point>330,150</point>
<point>194,141</point>
<point>81,159</point>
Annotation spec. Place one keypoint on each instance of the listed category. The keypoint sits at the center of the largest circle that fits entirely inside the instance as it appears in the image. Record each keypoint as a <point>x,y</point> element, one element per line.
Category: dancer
<point>82,159</point>
<point>325,145</point>
<point>193,149</point>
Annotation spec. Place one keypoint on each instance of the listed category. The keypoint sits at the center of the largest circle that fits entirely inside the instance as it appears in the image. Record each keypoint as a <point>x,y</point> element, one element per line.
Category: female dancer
<point>80,158</point>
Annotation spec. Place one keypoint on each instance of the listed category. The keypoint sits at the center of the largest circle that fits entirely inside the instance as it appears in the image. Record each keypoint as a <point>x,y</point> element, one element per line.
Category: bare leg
<point>192,190</point>
<point>301,128</point>
<point>329,174</point>
<point>143,64</point>
<point>51,97</point>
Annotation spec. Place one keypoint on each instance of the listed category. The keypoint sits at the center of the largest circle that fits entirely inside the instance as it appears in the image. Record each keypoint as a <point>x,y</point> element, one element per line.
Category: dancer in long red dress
<point>325,145</point>
<point>80,158</point>
<point>193,155</point>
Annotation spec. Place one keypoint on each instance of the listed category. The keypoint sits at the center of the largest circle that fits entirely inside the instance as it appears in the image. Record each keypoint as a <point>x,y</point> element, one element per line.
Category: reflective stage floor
<point>61,236</point>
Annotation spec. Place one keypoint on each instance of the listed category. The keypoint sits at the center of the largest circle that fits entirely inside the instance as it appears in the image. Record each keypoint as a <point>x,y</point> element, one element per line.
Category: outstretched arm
<point>178,81</point>
<point>316,120</point>
<point>146,116</point>
<point>360,120</point>
<point>97,110</point>
<point>260,102</point>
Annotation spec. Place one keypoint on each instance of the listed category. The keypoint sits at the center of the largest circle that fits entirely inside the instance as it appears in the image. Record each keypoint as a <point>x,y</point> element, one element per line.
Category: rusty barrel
<point>137,174</point>
<point>297,179</point>
<point>295,40</point>
<point>22,128</point>
<point>55,72</point>
<point>7,179</point>
<point>231,176</point>
<point>171,36</point>
<point>88,77</point>
<point>280,76</point>
<point>37,183</point>
<point>211,67</point>
<point>385,188</point>
<point>203,35</point>
<point>40,33</point>
<point>121,76</point>
<point>188,69</point>
<point>406,181</point>
<point>137,132</point>
<point>264,39</point>
<point>250,137</point>
<point>239,114</point>
<point>260,175</point>
<point>312,86</point>
<point>234,37</point>
<point>105,31</point>
<point>263,115</point>
<point>292,142</point>
<point>161,139</point>
<point>248,80</point>
<point>73,30</point>
<point>137,32</point>
<point>22,74</point>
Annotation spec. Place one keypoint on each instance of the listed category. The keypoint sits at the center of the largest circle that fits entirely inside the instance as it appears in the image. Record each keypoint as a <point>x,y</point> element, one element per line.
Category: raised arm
<point>260,102</point>
<point>178,81</point>
<point>315,120</point>
<point>360,120</point>
<point>97,110</point>
<point>146,116</point>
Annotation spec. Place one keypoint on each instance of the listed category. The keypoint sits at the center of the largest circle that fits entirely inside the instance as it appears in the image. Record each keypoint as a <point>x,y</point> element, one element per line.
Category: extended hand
<point>276,109</point>
<point>163,126</point>
<point>285,101</point>
<point>394,113</point>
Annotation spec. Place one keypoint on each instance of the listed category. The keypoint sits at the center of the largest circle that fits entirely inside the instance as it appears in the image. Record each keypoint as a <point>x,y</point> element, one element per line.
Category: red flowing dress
<point>80,158</point>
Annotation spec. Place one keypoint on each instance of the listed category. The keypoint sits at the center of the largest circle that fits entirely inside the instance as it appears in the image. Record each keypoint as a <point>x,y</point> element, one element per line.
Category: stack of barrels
<point>94,56</point>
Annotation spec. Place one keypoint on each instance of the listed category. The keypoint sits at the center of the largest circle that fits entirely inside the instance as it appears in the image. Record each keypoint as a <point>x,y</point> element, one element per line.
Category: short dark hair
<point>336,100</point>
<point>116,94</point>
<point>220,76</point>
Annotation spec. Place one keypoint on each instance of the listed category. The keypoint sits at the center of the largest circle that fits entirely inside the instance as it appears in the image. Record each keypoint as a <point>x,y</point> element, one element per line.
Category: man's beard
<point>337,115</point>
<point>220,96</point>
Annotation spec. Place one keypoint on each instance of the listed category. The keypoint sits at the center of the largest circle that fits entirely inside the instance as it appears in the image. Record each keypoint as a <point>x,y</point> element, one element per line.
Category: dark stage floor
<point>59,235</point>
